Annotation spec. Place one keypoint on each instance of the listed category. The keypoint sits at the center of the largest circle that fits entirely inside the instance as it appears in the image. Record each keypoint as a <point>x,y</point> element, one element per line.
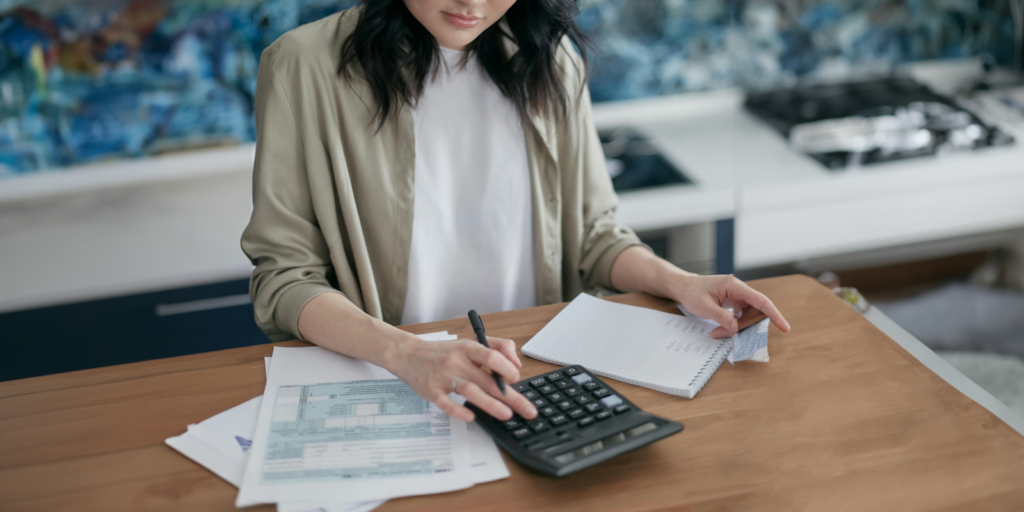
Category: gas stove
<point>873,121</point>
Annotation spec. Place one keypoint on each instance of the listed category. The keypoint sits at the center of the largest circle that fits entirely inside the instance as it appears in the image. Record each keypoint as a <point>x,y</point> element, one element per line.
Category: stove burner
<point>863,123</point>
<point>634,163</point>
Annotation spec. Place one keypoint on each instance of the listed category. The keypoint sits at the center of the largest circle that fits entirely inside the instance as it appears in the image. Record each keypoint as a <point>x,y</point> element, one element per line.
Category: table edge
<point>944,370</point>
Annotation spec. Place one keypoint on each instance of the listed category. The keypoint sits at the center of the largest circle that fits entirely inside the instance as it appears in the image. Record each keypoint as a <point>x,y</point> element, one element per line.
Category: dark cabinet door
<point>127,329</point>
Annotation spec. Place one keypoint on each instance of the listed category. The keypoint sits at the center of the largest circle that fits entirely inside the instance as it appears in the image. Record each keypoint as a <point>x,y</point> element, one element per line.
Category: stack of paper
<point>339,435</point>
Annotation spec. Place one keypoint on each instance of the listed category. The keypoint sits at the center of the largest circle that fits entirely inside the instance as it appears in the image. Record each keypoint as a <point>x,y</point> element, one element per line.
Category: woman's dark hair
<point>397,53</point>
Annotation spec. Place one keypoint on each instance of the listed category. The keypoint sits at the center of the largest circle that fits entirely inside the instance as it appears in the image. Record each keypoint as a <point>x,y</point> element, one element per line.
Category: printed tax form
<point>332,429</point>
<point>221,444</point>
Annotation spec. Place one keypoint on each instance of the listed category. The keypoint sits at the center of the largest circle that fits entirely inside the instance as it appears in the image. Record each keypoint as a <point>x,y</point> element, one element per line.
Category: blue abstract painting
<point>89,80</point>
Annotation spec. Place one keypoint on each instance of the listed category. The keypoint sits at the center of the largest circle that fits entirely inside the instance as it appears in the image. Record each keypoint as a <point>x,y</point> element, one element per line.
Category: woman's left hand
<point>704,296</point>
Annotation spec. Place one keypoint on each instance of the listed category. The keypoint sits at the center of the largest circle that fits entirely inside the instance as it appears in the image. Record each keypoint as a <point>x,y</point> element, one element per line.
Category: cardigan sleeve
<point>603,237</point>
<point>283,239</point>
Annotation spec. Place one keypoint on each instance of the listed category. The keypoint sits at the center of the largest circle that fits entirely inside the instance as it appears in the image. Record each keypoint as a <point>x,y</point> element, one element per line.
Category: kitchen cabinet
<point>128,329</point>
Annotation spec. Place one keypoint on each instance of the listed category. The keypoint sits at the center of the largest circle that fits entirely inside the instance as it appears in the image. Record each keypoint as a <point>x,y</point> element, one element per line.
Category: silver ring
<point>455,382</point>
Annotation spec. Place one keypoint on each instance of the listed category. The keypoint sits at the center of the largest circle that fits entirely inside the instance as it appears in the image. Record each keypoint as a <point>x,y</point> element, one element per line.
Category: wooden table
<point>842,418</point>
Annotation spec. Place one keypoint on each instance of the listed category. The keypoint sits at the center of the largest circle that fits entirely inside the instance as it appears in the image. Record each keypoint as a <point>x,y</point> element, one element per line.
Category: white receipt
<point>750,344</point>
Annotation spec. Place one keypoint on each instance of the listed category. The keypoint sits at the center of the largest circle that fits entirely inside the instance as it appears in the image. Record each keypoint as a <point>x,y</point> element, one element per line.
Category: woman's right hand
<point>429,368</point>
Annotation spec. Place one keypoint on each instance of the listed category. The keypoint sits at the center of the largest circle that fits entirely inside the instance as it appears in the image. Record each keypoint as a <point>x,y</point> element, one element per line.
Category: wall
<point>84,81</point>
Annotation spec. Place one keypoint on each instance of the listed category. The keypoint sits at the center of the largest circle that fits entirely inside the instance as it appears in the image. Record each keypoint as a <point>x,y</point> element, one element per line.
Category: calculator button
<point>555,397</point>
<point>569,372</point>
<point>601,393</point>
<point>593,407</point>
<point>621,409</point>
<point>562,384</point>
<point>539,425</point>
<point>603,415</point>
<point>583,399</point>
<point>548,411</point>
<point>611,401</point>
<point>581,379</point>
<point>520,433</point>
<point>521,386</point>
<point>539,402</point>
<point>576,413</point>
<point>585,421</point>
<point>547,388</point>
<point>571,391</point>
<point>511,424</point>
<point>558,420</point>
<point>565,405</point>
<point>590,386</point>
<point>530,394</point>
<point>538,382</point>
<point>554,376</point>
<point>533,445</point>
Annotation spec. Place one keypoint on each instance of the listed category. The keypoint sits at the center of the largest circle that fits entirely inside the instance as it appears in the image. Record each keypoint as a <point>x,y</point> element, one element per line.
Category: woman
<point>419,158</point>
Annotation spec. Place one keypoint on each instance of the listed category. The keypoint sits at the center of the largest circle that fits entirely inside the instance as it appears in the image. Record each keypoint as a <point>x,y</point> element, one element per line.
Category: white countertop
<point>145,225</point>
<point>124,240</point>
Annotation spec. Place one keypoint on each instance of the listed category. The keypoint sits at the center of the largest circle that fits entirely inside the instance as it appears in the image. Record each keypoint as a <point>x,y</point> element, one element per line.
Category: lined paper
<point>662,351</point>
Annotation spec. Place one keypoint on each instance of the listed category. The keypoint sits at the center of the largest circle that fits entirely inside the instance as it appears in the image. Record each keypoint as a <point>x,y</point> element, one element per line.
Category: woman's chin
<point>457,41</point>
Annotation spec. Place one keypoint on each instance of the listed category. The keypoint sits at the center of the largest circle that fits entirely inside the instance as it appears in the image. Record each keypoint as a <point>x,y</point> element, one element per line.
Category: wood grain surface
<point>842,418</point>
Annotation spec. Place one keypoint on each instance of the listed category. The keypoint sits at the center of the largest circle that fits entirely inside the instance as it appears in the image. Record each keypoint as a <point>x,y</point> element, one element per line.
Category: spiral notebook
<point>666,352</point>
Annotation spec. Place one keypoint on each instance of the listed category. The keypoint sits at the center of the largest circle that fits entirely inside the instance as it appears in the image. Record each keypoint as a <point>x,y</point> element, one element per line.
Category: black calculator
<point>581,421</point>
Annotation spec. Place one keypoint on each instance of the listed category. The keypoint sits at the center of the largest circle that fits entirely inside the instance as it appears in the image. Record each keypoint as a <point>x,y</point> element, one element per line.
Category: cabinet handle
<point>202,305</point>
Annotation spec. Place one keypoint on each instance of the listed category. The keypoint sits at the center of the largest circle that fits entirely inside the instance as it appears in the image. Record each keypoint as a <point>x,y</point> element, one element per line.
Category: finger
<point>511,398</point>
<point>752,317</point>
<point>739,306</point>
<point>484,401</point>
<point>721,333</point>
<point>507,348</point>
<point>493,360</point>
<point>758,300</point>
<point>483,379</point>
<point>453,409</point>
<point>724,318</point>
<point>517,402</point>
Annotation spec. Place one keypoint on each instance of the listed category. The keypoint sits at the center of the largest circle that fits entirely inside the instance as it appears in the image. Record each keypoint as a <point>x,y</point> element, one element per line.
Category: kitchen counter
<point>109,242</point>
<point>175,221</point>
<point>780,194</point>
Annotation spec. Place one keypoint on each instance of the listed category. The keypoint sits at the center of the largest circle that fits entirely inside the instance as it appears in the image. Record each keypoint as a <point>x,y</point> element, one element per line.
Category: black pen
<point>478,328</point>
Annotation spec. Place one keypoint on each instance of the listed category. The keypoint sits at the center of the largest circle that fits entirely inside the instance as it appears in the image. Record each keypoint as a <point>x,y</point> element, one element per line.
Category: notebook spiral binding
<point>708,369</point>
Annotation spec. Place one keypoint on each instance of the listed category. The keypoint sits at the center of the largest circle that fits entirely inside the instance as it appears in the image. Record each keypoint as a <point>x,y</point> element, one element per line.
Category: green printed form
<point>355,430</point>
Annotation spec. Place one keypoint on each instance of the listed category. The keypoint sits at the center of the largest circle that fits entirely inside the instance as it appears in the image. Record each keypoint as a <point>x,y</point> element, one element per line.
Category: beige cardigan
<point>333,200</point>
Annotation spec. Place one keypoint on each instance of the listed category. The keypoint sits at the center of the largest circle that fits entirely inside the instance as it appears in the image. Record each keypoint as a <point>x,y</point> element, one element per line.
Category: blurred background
<point>873,144</point>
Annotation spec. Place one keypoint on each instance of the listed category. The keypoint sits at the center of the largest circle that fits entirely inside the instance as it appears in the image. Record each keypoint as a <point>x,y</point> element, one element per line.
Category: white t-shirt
<point>472,230</point>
